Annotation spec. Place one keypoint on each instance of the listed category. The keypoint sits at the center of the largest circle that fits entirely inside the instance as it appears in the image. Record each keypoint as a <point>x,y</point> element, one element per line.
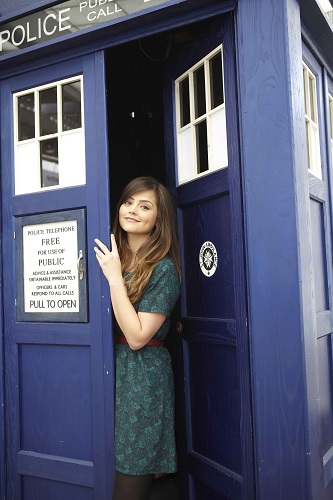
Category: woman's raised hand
<point>109,261</point>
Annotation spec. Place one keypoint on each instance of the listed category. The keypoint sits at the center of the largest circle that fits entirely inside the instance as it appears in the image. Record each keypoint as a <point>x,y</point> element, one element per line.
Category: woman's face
<point>138,214</point>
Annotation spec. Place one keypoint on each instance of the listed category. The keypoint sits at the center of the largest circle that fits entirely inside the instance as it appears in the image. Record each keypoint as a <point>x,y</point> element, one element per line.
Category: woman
<point>143,272</point>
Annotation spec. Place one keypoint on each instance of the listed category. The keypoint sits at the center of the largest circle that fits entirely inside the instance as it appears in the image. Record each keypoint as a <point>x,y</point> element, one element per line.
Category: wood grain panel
<point>56,468</point>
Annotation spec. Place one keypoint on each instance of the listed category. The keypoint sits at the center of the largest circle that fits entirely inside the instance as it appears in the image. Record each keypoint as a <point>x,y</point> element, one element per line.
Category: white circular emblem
<point>208,258</point>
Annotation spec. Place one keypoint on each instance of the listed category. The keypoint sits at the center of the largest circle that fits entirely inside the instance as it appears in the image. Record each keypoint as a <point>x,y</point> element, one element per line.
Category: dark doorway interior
<point>135,104</point>
<point>135,112</point>
<point>136,138</point>
<point>136,147</point>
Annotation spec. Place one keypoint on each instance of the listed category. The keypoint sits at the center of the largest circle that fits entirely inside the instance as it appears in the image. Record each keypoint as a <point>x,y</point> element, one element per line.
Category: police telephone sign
<point>65,18</point>
<point>50,254</point>
<point>51,267</point>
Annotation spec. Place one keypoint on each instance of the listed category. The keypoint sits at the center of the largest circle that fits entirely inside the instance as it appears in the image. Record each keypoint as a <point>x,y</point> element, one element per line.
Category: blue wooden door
<point>202,149</point>
<point>58,364</point>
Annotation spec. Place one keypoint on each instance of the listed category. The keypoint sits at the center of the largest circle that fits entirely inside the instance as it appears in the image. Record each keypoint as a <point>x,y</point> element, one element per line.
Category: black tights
<point>128,487</point>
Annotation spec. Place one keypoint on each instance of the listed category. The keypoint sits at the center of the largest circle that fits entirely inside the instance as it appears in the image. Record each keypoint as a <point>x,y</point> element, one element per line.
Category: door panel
<point>214,346</point>
<point>201,292</point>
<point>59,375</point>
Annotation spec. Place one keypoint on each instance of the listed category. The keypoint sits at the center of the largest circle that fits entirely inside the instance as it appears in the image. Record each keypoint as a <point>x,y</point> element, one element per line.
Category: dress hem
<point>143,473</point>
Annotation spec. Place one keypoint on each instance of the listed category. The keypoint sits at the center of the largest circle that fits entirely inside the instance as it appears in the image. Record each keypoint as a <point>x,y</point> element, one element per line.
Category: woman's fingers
<point>114,247</point>
<point>101,245</point>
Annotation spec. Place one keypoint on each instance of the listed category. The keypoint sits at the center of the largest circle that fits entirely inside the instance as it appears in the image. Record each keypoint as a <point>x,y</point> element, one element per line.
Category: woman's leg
<point>165,488</point>
<point>128,487</point>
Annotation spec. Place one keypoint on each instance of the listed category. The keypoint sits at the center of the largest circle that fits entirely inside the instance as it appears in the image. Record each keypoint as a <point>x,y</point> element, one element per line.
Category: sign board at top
<point>65,18</point>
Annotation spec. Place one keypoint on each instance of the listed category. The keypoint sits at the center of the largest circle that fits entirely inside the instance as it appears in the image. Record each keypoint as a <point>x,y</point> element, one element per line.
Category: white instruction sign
<point>50,271</point>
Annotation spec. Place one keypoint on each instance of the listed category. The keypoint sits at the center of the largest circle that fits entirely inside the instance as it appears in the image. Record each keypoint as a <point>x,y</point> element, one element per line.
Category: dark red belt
<point>152,342</point>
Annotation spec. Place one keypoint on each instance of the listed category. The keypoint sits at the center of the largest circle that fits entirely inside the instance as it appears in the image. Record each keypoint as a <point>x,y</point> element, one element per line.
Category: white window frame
<point>186,135</point>
<point>71,146</point>
<point>311,122</point>
<point>330,109</point>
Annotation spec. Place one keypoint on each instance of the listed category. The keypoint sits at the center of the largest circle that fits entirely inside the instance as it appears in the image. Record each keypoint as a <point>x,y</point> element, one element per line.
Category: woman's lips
<point>130,219</point>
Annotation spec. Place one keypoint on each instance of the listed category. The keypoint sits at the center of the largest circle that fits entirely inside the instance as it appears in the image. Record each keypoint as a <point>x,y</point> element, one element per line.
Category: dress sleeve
<point>163,289</point>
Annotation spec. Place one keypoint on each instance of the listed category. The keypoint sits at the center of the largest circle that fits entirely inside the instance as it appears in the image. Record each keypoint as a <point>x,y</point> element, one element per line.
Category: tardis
<point>230,104</point>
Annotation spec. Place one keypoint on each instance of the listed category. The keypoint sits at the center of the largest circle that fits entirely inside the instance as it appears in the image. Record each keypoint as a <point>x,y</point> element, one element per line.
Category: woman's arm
<point>138,328</point>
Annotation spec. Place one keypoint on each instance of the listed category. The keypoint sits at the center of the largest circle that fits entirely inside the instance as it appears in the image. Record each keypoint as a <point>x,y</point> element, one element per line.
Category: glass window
<point>330,100</point>
<point>49,124</point>
<point>216,80</point>
<point>201,118</point>
<point>184,98</point>
<point>311,122</point>
<point>49,162</point>
<point>202,147</point>
<point>71,106</point>
<point>48,112</point>
<point>26,117</point>
<point>199,92</point>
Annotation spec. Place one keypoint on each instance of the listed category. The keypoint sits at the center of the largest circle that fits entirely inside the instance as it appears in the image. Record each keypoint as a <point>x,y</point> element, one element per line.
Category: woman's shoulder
<point>165,265</point>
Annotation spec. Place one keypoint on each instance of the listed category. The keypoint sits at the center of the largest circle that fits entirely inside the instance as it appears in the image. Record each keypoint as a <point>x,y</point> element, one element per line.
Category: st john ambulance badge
<point>208,258</point>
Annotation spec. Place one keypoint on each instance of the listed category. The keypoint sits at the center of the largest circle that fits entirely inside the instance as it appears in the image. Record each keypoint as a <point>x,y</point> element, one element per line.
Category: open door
<point>204,167</point>
<point>57,327</point>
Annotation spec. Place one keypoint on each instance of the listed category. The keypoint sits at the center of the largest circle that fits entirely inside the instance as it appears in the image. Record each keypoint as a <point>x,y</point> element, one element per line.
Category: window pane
<point>199,92</point>
<point>312,90</point>
<point>71,106</point>
<point>49,162</point>
<point>201,144</point>
<point>331,115</point>
<point>48,111</point>
<point>308,145</point>
<point>184,102</point>
<point>305,78</point>
<point>216,81</point>
<point>26,117</point>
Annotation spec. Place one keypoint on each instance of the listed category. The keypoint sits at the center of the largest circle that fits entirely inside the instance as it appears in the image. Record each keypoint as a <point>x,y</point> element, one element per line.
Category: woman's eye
<point>127,203</point>
<point>144,207</point>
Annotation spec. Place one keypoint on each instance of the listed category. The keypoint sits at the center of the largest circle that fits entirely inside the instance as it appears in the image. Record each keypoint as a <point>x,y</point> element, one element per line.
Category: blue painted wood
<point>315,26</point>
<point>98,225</point>
<point>319,256</point>
<point>19,11</point>
<point>324,323</point>
<point>65,334</point>
<point>324,353</point>
<point>209,220</point>
<point>2,388</point>
<point>40,489</point>
<point>64,394</point>
<point>68,198</point>
<point>214,408</point>
<point>281,305</point>
<point>205,213</point>
<point>72,471</point>
<point>224,482</point>
<point>105,37</point>
<point>216,183</point>
<point>209,331</point>
<point>66,377</point>
<point>321,222</point>
<point>11,351</point>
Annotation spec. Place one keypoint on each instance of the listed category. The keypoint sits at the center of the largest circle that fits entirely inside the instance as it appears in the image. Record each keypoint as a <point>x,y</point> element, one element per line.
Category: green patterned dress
<point>144,434</point>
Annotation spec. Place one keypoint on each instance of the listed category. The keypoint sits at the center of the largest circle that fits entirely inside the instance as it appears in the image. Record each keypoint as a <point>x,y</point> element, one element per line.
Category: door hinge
<point>14,235</point>
<point>15,303</point>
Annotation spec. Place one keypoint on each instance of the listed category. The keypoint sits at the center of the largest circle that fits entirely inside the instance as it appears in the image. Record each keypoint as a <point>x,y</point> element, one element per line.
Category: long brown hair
<point>161,242</point>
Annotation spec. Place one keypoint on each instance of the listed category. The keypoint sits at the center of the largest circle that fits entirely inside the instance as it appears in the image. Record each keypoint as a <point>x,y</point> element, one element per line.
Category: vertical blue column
<point>2,383</point>
<point>276,211</point>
